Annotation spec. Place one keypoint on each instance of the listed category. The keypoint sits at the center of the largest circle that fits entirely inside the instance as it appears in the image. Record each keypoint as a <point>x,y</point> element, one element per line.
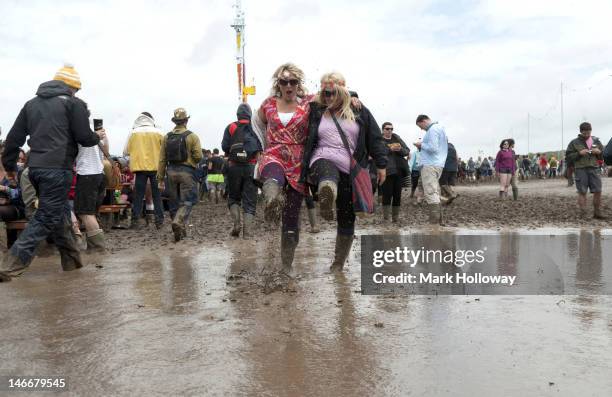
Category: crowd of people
<point>325,147</point>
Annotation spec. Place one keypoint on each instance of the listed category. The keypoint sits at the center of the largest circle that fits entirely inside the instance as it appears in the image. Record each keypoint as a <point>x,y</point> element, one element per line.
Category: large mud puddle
<point>220,320</point>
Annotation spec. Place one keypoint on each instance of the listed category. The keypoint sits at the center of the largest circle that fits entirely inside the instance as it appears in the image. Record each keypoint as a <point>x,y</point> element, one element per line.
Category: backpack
<point>237,152</point>
<point>176,147</point>
<point>607,154</point>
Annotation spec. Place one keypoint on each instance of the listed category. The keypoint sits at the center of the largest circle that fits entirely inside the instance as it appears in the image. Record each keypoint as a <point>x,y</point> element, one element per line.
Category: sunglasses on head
<point>292,82</point>
<point>328,93</point>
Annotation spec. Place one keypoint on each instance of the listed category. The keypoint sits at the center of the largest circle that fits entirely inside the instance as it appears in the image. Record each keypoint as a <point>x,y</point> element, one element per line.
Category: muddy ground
<point>542,203</point>
<point>212,315</point>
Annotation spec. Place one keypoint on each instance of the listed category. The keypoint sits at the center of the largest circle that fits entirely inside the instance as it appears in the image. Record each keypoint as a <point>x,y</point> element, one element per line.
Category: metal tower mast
<point>239,26</point>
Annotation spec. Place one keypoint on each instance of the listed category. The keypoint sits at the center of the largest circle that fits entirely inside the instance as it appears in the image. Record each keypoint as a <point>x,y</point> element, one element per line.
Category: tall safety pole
<point>239,25</point>
<point>239,28</point>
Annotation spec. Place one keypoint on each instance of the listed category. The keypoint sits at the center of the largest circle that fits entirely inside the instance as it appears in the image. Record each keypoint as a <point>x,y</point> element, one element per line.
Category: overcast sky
<point>478,67</point>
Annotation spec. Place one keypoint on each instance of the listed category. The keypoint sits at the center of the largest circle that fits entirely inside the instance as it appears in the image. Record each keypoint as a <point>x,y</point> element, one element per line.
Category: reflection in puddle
<point>198,322</point>
<point>456,263</point>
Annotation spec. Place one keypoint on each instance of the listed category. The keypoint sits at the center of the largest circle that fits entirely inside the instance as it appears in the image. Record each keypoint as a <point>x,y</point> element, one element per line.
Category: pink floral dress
<point>285,144</point>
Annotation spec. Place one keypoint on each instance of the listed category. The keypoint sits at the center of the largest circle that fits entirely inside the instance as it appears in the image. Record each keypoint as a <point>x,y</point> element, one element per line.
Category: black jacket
<point>251,143</point>
<point>369,142</point>
<point>56,122</point>
<point>451,164</point>
<point>396,161</point>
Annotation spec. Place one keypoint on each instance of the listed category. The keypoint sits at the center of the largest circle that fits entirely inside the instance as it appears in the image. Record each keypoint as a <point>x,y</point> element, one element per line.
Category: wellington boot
<point>247,227</point>
<point>395,211</point>
<point>81,242</point>
<point>515,193</point>
<point>599,215</point>
<point>96,241</point>
<point>137,224</point>
<point>274,201</point>
<point>386,212</point>
<point>342,251</point>
<point>235,213</point>
<point>289,242</point>
<point>435,214</point>
<point>328,191</point>
<point>70,259</point>
<point>179,231</point>
<point>450,195</point>
<point>312,218</point>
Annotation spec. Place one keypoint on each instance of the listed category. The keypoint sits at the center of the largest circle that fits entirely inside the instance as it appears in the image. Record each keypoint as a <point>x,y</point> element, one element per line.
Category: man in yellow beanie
<point>56,122</point>
<point>68,75</point>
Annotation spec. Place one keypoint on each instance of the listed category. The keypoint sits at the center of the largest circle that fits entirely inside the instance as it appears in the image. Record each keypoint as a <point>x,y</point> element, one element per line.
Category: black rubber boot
<point>289,242</point>
<point>342,251</point>
<point>395,211</point>
<point>312,218</point>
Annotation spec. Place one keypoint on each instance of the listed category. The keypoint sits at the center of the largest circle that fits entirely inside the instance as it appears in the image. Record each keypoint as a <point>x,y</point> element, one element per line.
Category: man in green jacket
<point>583,152</point>
<point>179,157</point>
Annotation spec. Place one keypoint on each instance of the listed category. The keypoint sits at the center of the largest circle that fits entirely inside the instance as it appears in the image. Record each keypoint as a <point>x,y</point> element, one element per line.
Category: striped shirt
<point>89,161</point>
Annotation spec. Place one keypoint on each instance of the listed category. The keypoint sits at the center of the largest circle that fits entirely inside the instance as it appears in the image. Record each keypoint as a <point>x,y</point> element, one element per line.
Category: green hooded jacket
<point>573,153</point>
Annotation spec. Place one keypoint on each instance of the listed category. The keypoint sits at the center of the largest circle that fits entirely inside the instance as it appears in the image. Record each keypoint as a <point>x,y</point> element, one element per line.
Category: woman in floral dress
<point>285,114</point>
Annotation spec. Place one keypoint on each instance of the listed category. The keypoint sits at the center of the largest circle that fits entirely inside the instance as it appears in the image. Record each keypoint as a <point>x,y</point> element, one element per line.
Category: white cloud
<point>477,66</point>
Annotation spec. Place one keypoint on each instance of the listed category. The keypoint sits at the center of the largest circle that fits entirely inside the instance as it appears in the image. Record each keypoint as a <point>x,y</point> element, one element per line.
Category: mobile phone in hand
<point>98,124</point>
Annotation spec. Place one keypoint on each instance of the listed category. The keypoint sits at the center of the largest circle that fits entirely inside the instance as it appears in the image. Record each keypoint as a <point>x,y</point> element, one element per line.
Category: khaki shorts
<point>431,183</point>
<point>588,179</point>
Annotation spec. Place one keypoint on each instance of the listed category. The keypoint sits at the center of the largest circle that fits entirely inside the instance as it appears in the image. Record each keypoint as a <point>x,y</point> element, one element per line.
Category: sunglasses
<point>388,128</point>
<point>292,82</point>
<point>328,93</point>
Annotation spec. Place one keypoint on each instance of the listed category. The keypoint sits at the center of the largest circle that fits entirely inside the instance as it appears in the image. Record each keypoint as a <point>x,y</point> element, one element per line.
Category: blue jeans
<point>140,186</point>
<point>182,189</point>
<point>325,170</point>
<point>52,217</point>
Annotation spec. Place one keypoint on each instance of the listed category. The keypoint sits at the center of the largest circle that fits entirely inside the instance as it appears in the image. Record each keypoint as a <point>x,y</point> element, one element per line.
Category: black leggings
<point>392,189</point>
<point>309,199</point>
<point>322,170</point>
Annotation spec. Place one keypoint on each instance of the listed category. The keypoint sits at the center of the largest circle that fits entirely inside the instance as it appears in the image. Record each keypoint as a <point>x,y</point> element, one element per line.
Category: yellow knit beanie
<point>68,75</point>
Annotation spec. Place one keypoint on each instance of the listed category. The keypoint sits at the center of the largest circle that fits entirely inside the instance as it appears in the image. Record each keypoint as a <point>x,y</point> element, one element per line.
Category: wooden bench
<point>112,208</point>
<point>109,215</point>
<point>13,228</point>
<point>16,225</point>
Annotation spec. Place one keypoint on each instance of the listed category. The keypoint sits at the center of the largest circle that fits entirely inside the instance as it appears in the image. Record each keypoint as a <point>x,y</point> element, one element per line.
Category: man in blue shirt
<point>434,149</point>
